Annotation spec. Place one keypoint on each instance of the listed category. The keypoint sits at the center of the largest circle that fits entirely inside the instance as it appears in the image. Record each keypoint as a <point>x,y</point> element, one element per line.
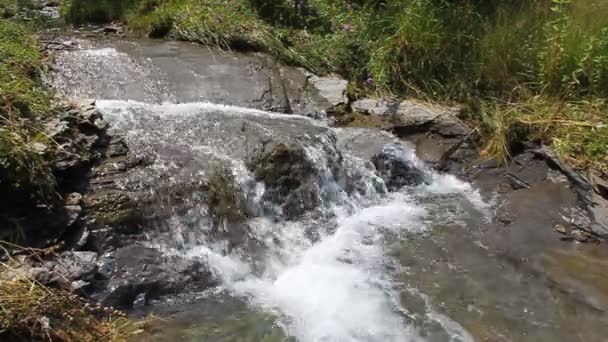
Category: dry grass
<point>31,311</point>
<point>577,130</point>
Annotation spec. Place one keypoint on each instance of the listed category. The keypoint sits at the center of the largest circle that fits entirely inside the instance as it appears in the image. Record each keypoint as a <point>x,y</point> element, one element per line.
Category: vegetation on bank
<point>533,69</point>
<point>24,105</point>
<point>30,310</point>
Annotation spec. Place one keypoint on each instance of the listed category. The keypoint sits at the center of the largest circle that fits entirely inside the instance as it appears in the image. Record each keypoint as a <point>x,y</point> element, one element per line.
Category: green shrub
<point>575,55</point>
<point>95,11</point>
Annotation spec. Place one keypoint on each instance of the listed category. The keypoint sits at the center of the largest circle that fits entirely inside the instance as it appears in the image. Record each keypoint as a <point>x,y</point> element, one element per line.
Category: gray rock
<point>144,271</point>
<point>79,285</point>
<point>179,72</point>
<point>412,117</point>
<point>76,265</point>
<point>331,89</point>
<point>600,184</point>
<point>554,161</point>
<point>371,107</point>
<point>397,167</point>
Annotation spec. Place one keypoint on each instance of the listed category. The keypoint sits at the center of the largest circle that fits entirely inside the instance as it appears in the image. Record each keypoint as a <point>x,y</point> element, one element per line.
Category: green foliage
<point>574,58</point>
<point>226,24</point>
<point>10,8</point>
<point>94,11</point>
<point>23,103</point>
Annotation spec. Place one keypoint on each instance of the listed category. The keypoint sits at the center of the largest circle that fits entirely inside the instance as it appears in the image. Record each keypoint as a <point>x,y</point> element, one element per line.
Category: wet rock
<point>110,29</point>
<point>113,207</point>
<point>396,166</point>
<point>290,178</point>
<point>144,271</point>
<point>142,72</point>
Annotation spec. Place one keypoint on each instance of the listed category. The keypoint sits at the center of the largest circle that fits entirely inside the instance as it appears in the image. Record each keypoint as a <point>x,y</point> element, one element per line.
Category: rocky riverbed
<point>221,196</point>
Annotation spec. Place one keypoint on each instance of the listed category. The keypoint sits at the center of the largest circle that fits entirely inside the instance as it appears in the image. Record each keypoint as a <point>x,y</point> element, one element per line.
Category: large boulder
<point>434,130</point>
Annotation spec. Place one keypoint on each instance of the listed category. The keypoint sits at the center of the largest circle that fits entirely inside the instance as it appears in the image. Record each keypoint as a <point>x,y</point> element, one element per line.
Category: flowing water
<point>365,265</point>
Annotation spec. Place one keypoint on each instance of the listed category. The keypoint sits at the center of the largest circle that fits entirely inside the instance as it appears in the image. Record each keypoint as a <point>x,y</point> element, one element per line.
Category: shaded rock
<point>73,151</point>
<point>554,161</point>
<point>144,271</point>
<point>600,184</point>
<point>396,166</point>
<point>526,170</point>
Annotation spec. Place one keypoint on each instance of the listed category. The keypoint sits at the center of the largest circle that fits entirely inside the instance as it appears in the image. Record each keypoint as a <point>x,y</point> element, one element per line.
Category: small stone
<point>560,228</point>
<point>73,199</point>
<point>79,285</point>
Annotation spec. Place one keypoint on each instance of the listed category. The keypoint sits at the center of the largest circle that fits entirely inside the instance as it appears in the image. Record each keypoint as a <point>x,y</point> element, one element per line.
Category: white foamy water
<point>334,289</point>
<point>169,109</point>
<point>339,288</point>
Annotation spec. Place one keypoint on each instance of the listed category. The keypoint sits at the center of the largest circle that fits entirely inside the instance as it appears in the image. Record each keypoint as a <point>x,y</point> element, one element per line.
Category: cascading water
<point>326,274</point>
<point>337,286</point>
